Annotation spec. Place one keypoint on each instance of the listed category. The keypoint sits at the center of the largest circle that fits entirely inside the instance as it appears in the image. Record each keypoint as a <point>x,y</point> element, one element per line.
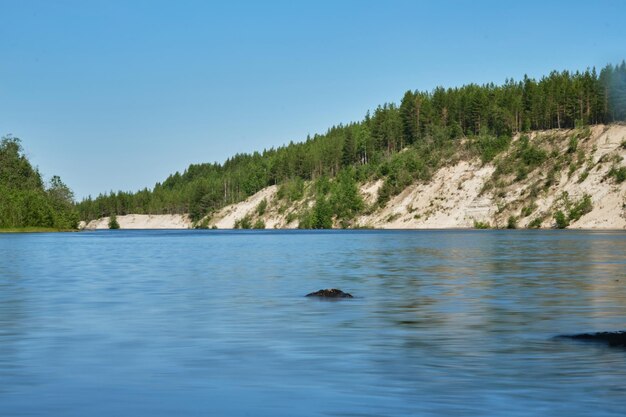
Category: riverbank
<point>574,172</point>
<point>468,193</point>
<point>143,221</point>
<point>34,230</point>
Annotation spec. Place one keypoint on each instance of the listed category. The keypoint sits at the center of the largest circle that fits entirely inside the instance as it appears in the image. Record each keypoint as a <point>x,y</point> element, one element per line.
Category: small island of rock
<point>330,293</point>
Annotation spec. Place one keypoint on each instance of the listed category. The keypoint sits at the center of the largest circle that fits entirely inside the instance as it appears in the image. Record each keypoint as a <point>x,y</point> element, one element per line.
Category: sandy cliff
<point>463,194</point>
<point>144,221</point>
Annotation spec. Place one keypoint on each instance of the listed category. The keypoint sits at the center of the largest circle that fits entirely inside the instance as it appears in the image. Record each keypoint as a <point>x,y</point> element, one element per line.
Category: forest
<point>426,126</point>
<point>429,124</point>
<point>25,201</point>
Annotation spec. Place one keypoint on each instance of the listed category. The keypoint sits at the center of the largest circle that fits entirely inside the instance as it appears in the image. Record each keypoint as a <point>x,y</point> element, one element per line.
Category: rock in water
<point>330,293</point>
<point>613,339</point>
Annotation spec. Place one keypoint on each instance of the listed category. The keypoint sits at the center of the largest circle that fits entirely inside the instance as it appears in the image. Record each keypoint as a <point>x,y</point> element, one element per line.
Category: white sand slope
<point>144,221</point>
<point>457,196</point>
<point>450,200</point>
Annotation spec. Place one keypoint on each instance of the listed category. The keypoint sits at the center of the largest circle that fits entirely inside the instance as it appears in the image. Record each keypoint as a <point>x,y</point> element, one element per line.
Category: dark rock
<point>613,339</point>
<point>330,293</point>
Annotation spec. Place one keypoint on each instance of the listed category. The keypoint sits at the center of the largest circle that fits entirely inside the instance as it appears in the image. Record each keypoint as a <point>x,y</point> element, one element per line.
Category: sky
<point>119,94</point>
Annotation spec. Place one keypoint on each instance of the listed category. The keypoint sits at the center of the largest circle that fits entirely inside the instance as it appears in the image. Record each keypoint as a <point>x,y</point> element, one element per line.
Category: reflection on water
<point>132,323</point>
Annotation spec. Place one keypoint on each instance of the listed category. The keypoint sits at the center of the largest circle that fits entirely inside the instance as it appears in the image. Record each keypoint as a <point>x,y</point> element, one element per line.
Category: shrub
<point>260,209</point>
<point>533,156</point>
<point>402,170</point>
<point>573,144</point>
<point>522,160</point>
<point>244,223</point>
<point>291,190</point>
<point>318,217</point>
<point>291,216</point>
<point>535,223</point>
<point>572,211</point>
<point>113,224</point>
<point>489,147</point>
<point>204,224</point>
<point>305,220</point>
<point>259,224</point>
<point>618,173</point>
<point>585,132</point>
<point>522,173</point>
<point>512,222</point>
<point>581,208</point>
<point>561,220</point>
<point>527,211</point>
<point>481,225</point>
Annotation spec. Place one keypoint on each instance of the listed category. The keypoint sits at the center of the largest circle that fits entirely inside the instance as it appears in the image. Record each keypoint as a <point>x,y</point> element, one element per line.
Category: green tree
<point>423,126</point>
<point>322,214</point>
<point>113,224</point>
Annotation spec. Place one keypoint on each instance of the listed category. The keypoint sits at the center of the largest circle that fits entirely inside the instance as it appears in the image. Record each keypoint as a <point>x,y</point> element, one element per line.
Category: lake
<point>215,323</point>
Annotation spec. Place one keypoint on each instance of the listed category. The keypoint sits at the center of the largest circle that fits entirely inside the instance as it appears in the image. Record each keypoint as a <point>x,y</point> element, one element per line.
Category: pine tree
<point>113,224</point>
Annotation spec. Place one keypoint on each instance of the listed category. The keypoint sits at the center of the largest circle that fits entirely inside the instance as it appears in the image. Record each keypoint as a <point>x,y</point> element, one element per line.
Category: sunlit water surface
<point>212,323</point>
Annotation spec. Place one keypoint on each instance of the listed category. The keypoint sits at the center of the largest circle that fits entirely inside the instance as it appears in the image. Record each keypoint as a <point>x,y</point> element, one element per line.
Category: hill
<point>577,172</point>
<point>396,147</point>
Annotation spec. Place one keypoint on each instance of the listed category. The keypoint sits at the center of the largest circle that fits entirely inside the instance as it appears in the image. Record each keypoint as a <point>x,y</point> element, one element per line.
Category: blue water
<point>213,323</point>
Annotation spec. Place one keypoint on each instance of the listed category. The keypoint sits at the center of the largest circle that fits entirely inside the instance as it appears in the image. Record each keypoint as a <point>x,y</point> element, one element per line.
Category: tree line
<point>427,123</point>
<point>25,201</point>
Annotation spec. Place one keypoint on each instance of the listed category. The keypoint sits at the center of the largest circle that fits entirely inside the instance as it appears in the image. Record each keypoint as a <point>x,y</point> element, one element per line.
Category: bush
<point>618,173</point>
<point>291,190</point>
<point>533,156</point>
<point>481,225</point>
<point>512,222</point>
<point>535,223</point>
<point>320,216</point>
<point>244,223</point>
<point>572,211</point>
<point>561,220</point>
<point>113,224</point>
<point>527,211</point>
<point>291,216</point>
<point>522,160</point>
<point>401,171</point>
<point>581,208</point>
<point>259,224</point>
<point>305,220</point>
<point>204,224</point>
<point>489,147</point>
<point>573,144</point>
<point>260,209</point>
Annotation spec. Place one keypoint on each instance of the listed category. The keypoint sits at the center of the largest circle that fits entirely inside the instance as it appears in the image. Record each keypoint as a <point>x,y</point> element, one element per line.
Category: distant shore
<point>142,221</point>
<point>34,230</point>
<point>575,188</point>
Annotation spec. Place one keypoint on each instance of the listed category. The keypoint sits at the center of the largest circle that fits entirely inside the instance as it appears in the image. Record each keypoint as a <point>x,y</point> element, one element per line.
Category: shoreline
<point>366,229</point>
<point>35,230</point>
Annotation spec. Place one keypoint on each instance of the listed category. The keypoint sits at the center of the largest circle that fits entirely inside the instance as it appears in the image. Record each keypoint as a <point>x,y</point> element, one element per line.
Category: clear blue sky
<point>119,94</point>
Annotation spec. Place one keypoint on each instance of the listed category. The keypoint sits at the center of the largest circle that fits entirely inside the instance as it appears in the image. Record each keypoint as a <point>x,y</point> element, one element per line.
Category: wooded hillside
<point>426,125</point>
